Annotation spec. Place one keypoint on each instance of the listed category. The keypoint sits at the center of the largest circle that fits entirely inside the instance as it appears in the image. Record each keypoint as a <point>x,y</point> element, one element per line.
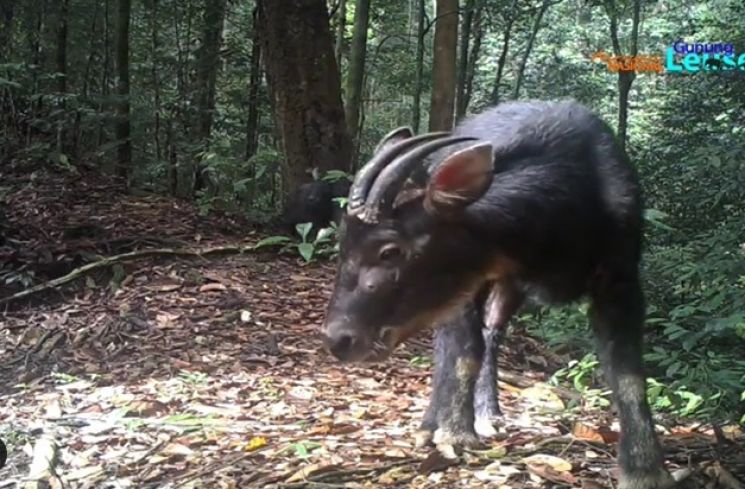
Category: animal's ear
<point>394,137</point>
<point>461,179</point>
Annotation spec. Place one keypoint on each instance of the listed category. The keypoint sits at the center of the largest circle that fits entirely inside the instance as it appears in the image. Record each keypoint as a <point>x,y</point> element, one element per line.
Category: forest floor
<point>176,371</point>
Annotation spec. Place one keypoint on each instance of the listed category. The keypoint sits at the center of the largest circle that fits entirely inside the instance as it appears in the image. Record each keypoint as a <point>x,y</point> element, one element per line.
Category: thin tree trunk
<point>529,48</point>
<point>625,78</point>
<point>77,132</point>
<point>356,73</point>
<point>254,83</point>
<point>7,12</point>
<point>209,61</point>
<point>305,87</point>
<point>37,47</point>
<point>502,60</point>
<point>124,152</point>
<point>340,32</point>
<point>416,110</point>
<point>252,120</point>
<point>465,38</point>
<point>105,73</point>
<point>61,62</point>
<point>473,56</point>
<point>154,44</point>
<point>62,47</point>
<point>443,66</point>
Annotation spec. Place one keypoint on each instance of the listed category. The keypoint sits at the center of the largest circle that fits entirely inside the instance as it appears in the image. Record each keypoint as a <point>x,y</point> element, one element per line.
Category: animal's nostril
<point>342,345</point>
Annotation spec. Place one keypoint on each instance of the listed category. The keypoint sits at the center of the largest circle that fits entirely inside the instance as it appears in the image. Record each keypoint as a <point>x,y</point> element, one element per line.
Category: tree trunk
<point>208,63</point>
<point>37,55</point>
<point>502,61</point>
<point>305,87</point>
<point>105,71</point>
<point>7,11</point>
<point>252,119</point>
<point>529,48</point>
<point>61,57</point>
<point>465,38</point>
<point>443,66</point>
<point>416,109</point>
<point>172,159</point>
<point>473,57</point>
<point>625,78</point>
<point>124,150</point>
<point>254,83</point>
<point>340,32</point>
<point>93,40</point>
<point>61,62</point>
<point>154,76</point>
<point>356,74</point>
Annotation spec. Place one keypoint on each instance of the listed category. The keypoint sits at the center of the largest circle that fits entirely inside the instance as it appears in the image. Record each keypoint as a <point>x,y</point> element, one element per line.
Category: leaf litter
<point>176,373</point>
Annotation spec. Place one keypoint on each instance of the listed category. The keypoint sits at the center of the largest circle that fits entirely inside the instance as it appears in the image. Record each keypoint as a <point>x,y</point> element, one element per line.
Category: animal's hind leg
<point>500,303</point>
<point>617,317</point>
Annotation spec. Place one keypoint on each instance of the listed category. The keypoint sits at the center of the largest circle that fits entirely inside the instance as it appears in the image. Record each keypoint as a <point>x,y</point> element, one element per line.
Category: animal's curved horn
<point>365,177</point>
<point>400,132</point>
<point>386,186</point>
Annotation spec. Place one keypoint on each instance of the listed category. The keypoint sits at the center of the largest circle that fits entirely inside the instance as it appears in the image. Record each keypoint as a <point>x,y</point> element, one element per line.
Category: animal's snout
<point>344,342</point>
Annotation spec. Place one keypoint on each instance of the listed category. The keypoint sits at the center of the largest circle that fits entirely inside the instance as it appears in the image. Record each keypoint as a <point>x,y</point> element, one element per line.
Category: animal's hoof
<point>423,437</point>
<point>485,426</point>
<point>657,480</point>
<point>450,443</point>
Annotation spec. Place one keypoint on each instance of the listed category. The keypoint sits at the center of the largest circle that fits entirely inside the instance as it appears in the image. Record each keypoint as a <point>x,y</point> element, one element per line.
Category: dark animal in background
<point>528,200</point>
<point>314,202</point>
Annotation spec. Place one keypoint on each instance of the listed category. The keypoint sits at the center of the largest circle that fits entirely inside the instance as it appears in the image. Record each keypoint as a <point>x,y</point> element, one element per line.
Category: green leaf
<point>272,241</point>
<point>4,82</point>
<point>303,229</point>
<point>300,450</point>
<point>335,175</point>
<point>306,251</point>
<point>655,217</point>
<point>324,234</point>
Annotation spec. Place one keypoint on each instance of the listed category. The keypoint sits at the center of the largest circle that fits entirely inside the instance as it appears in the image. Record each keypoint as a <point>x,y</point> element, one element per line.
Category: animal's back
<point>569,196</point>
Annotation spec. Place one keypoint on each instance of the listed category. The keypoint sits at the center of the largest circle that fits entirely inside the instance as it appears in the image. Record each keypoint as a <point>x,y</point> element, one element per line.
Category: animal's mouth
<point>382,348</point>
<point>388,340</point>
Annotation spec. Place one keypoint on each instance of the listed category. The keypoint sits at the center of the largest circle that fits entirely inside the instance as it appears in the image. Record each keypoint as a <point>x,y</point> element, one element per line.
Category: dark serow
<point>527,200</point>
<point>314,202</point>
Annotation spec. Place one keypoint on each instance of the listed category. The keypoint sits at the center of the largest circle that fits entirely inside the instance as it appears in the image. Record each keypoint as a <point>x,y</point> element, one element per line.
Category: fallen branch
<point>124,257</point>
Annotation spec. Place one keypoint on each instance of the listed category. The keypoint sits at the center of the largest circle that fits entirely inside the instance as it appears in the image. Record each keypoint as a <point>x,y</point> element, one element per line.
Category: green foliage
<point>582,376</point>
<point>424,362</point>
<point>309,247</point>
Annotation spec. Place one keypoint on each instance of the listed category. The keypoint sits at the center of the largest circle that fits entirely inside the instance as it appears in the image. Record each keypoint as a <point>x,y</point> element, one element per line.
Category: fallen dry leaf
<point>213,286</point>
<point>310,470</point>
<point>549,473</point>
<point>556,463</point>
<point>436,462</point>
<point>145,408</point>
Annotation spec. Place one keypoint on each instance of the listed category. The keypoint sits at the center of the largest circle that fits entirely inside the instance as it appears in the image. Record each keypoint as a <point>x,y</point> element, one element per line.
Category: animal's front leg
<point>459,347</point>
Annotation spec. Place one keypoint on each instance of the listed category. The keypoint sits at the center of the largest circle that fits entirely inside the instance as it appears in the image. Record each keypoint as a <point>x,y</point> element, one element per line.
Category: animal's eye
<point>389,252</point>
